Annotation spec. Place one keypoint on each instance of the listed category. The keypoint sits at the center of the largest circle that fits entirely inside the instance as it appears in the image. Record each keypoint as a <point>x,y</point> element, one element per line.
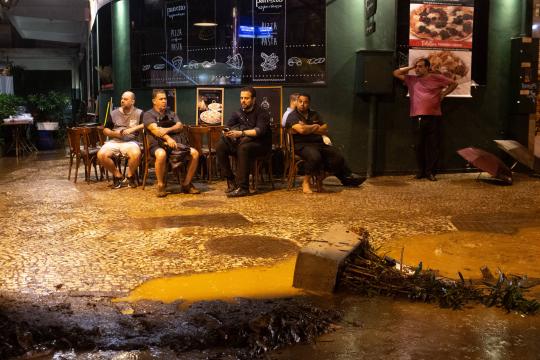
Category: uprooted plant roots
<point>367,273</point>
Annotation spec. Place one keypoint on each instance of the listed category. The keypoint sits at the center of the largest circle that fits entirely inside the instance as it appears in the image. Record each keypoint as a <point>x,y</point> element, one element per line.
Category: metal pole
<point>372,135</point>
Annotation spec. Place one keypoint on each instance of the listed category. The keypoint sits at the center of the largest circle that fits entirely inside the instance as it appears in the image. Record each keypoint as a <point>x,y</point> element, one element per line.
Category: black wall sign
<point>253,41</point>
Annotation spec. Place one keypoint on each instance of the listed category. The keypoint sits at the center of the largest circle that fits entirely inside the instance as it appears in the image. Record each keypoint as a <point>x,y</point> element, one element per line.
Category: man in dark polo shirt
<point>308,130</point>
<point>247,135</point>
<point>165,127</point>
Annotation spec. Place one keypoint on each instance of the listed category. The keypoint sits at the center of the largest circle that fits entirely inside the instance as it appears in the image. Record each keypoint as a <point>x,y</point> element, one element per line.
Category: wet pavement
<point>61,239</point>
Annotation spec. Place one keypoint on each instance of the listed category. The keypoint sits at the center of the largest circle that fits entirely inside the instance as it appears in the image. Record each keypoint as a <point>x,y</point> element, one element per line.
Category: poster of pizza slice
<point>440,24</point>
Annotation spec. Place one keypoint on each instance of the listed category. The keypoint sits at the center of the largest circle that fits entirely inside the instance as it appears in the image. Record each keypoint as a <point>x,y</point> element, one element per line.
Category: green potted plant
<point>48,112</point>
<point>48,109</point>
<point>8,107</point>
<point>9,104</point>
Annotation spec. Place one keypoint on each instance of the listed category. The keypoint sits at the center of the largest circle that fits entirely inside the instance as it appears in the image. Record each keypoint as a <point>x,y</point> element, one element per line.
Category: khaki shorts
<point>117,148</point>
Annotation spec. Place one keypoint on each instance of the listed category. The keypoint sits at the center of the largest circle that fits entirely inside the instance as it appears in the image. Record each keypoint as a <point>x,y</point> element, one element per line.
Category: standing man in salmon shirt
<point>426,91</point>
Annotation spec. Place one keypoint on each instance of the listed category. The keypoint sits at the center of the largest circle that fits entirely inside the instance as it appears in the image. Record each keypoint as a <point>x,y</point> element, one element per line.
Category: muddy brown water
<point>467,251</point>
<point>381,328</point>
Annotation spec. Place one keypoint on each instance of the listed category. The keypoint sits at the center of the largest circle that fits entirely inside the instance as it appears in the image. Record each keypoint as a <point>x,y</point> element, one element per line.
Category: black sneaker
<point>231,186</point>
<point>118,182</point>
<point>353,180</point>
<point>239,192</point>
<point>132,182</point>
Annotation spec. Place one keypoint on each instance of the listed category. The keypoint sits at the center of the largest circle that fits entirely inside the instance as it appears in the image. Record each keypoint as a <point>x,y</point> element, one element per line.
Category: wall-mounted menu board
<point>179,43</point>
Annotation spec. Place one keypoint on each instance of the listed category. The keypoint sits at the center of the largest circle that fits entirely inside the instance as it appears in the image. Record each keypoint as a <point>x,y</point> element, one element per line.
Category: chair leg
<point>270,174</point>
<point>70,165</point>
<point>77,163</point>
<point>291,174</point>
<point>94,162</point>
<point>145,176</point>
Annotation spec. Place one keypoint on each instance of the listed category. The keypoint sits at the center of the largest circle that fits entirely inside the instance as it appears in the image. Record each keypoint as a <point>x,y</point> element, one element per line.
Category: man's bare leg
<point>192,167</point>
<point>306,186</point>
<point>133,162</point>
<point>161,168</point>
<point>105,160</point>
<point>187,186</point>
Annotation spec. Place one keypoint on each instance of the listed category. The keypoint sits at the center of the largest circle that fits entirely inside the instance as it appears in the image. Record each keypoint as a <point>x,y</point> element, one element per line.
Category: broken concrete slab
<point>318,263</point>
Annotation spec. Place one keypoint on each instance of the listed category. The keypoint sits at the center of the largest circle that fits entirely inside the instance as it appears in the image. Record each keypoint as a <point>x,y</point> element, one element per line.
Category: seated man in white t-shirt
<point>122,127</point>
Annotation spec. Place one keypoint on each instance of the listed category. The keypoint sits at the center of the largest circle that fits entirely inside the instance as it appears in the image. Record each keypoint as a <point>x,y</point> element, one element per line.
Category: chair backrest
<point>289,144</point>
<point>199,136</point>
<point>146,144</point>
<point>91,136</point>
<point>276,136</point>
<point>214,136</point>
<point>74,140</point>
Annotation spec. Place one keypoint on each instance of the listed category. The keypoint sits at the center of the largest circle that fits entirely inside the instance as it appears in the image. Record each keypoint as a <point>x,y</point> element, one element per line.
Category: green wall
<point>472,121</point>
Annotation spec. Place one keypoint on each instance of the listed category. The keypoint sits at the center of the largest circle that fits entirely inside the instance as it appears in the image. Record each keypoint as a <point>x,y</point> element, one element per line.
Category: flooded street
<point>382,328</point>
<point>91,273</point>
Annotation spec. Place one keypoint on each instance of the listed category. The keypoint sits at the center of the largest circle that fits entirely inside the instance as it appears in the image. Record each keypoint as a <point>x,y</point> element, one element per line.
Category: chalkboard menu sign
<point>179,43</point>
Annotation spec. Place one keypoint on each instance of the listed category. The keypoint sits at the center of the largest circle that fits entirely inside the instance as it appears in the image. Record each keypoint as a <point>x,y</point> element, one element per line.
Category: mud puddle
<point>468,251</point>
<point>260,282</point>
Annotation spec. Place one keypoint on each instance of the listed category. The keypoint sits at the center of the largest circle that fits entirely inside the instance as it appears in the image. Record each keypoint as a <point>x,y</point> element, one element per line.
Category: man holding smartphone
<point>246,135</point>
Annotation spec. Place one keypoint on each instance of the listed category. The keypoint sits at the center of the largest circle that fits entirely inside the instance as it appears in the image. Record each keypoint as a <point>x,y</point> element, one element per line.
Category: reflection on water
<point>382,328</point>
<point>255,283</point>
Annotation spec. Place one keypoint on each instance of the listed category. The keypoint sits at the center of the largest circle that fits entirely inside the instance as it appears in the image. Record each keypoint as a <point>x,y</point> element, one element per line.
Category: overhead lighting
<point>7,4</point>
<point>205,23</point>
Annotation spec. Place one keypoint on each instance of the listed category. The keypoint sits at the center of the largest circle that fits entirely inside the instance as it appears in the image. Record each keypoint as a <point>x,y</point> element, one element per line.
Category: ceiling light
<point>6,4</point>
<point>205,23</point>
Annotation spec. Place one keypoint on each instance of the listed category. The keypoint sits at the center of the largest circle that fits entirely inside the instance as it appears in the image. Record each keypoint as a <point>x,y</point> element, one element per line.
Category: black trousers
<point>427,134</point>
<point>319,157</point>
<point>245,154</point>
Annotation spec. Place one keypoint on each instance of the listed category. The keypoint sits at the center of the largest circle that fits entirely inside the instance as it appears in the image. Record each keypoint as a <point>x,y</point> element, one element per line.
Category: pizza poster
<point>441,24</point>
<point>454,64</point>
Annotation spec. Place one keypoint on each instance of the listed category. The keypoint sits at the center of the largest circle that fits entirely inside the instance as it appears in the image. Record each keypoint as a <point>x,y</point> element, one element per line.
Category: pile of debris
<point>245,329</point>
<point>367,273</point>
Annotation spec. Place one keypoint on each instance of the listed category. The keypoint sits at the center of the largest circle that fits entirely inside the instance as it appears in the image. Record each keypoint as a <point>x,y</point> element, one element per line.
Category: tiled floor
<point>57,236</point>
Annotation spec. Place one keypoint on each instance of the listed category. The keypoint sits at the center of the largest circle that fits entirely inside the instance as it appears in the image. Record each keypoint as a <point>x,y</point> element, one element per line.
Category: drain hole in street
<point>252,246</point>
<point>203,203</point>
<point>211,220</point>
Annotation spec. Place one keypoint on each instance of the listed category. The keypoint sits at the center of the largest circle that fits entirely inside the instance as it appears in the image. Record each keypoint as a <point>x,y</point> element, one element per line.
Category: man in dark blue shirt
<point>247,135</point>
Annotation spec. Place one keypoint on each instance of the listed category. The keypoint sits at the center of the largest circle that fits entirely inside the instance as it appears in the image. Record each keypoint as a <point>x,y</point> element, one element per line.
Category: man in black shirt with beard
<point>247,135</point>
<point>308,130</point>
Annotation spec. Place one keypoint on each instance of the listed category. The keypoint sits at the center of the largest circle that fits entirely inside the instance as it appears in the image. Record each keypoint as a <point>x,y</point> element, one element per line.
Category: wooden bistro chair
<point>149,161</point>
<point>83,146</point>
<point>213,138</point>
<point>262,163</point>
<point>293,162</point>
<point>199,139</point>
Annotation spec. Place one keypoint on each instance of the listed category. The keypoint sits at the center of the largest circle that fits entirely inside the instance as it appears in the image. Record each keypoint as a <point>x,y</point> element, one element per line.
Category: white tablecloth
<point>6,84</point>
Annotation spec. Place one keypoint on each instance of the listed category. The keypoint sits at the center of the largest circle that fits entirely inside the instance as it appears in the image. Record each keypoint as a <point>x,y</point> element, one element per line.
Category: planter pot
<point>45,140</point>
<point>47,125</point>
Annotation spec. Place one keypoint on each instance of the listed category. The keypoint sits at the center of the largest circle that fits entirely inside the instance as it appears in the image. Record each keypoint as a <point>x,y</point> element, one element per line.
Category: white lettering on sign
<point>269,40</point>
<point>176,32</point>
<point>175,11</point>
<point>269,4</point>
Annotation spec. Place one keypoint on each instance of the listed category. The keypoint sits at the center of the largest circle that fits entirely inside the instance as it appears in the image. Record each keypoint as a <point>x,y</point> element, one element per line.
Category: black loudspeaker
<point>374,72</point>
